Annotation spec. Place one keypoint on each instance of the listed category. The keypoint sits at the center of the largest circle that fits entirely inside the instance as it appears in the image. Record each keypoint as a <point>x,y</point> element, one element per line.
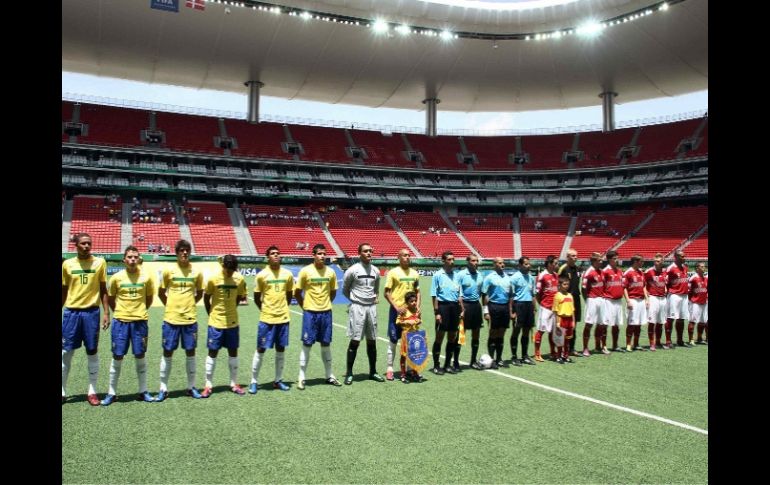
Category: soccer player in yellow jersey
<point>272,294</point>
<point>315,291</point>
<point>130,294</point>
<point>83,285</point>
<point>398,282</point>
<point>223,293</point>
<point>181,287</point>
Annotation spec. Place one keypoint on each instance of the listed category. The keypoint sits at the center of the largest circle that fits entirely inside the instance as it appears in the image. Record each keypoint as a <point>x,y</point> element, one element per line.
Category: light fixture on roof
<point>380,25</point>
<point>403,29</point>
<point>446,35</point>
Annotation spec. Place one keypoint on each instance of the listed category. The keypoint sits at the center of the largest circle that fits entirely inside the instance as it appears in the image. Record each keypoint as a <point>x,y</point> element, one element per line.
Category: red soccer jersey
<point>547,286</point>
<point>676,279</point>
<point>656,282</point>
<point>593,283</point>
<point>633,281</point>
<point>613,283</point>
<point>699,292</point>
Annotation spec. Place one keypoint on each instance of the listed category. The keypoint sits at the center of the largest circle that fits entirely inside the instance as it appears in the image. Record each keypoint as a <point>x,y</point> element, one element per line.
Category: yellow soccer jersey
<point>82,278</point>
<point>401,282</point>
<point>130,291</point>
<point>273,285</point>
<point>224,299</point>
<point>409,321</point>
<point>317,287</point>
<point>563,305</point>
<point>181,285</point>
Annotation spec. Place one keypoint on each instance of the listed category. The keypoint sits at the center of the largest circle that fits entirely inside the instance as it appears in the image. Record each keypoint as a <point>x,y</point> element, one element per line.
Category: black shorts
<point>450,316</point>
<point>472,318</point>
<point>499,315</point>
<point>525,314</point>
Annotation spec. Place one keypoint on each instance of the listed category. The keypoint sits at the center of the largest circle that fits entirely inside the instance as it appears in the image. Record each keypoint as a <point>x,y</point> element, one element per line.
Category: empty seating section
<point>189,133</point>
<point>285,227</point>
<point>703,148</point>
<point>144,232</point>
<point>108,125</point>
<point>66,115</point>
<point>602,148</point>
<point>100,217</point>
<point>542,242</point>
<point>667,229</point>
<point>545,151</point>
<point>491,151</point>
<point>698,248</point>
<point>439,152</point>
<point>214,237</point>
<point>416,226</point>
<point>602,238</point>
<point>381,149</point>
<point>492,236</point>
<point>659,142</point>
<point>351,227</point>
<point>260,140</point>
<point>321,144</point>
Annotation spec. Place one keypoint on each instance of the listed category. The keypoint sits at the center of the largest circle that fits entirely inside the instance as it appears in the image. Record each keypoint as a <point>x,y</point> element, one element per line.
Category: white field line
<point>575,395</point>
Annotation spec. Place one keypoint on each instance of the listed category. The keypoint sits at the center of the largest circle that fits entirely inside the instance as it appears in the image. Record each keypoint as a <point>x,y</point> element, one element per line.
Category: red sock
<point>659,332</point>
<point>701,326</point>
<point>679,331</point>
<point>690,329</point>
<point>651,333</point>
<point>637,334</point>
<point>669,324</point>
<point>629,334</point>
<point>538,339</point>
<point>615,335</point>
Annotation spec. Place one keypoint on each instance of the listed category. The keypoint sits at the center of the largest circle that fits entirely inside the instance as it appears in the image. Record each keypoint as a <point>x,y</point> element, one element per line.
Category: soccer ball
<point>485,361</point>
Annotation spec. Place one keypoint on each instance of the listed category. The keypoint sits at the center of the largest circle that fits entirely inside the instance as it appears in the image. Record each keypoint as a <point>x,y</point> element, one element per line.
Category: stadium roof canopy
<point>489,66</point>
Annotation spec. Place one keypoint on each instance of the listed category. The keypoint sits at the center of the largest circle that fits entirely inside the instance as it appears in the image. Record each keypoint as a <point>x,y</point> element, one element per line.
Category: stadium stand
<point>491,151</point>
<point>211,237</point>
<point>416,226</point>
<point>381,149</point>
<point>659,142</point>
<point>99,216</point>
<point>699,248</point>
<point>602,238</point>
<point>667,229</point>
<point>350,227</point>
<point>439,152</point>
<point>539,243</point>
<point>321,144</point>
<point>189,133</point>
<point>260,140</point>
<point>293,229</point>
<point>163,233</point>
<point>545,151</point>
<point>491,235</point>
<point>109,125</point>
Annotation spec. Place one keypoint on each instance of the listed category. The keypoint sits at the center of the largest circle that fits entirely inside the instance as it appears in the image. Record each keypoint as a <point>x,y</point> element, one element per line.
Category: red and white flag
<point>196,4</point>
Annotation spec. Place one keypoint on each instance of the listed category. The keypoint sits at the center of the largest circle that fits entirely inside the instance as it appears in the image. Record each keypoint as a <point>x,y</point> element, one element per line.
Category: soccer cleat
<point>539,358</point>
<point>404,379</point>
<point>418,377</point>
<point>281,386</point>
<point>700,342</point>
<point>667,347</point>
<point>629,348</point>
<point>640,348</point>
<point>516,362</point>
<point>389,375</point>
<point>376,377</point>
<point>449,370</point>
<point>559,360</point>
<point>301,385</point>
<point>206,392</point>
<point>109,399</point>
<point>501,363</point>
<point>93,400</point>
<point>474,365</point>
<point>145,397</point>
<point>527,360</point>
<point>568,360</point>
<point>194,393</point>
<point>237,389</point>
<point>575,353</point>
<point>161,396</point>
<point>586,353</point>
<point>456,368</point>
<point>494,365</point>
<point>348,379</point>
<point>652,348</point>
<point>332,381</point>
<point>689,344</point>
<point>605,351</point>
<point>253,388</point>
<point>619,349</point>
<point>63,399</point>
<point>438,371</point>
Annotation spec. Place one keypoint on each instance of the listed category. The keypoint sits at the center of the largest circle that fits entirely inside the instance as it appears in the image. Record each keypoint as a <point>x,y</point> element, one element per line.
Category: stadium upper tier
<point>127,127</point>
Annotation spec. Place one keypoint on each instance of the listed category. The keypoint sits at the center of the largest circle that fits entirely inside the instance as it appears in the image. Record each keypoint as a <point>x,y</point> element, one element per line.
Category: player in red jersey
<point>676,282</point>
<point>593,288</point>
<point>699,296</point>
<point>655,279</point>
<point>636,299</point>
<point>547,285</point>
<point>613,299</point>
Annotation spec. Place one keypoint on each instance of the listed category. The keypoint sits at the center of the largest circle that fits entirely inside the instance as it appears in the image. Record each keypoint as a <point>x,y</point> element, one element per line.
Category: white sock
<point>114,375</point>
<point>256,364</point>
<point>326,356</point>
<point>233,362</point>
<point>391,353</point>
<point>141,374</point>
<point>304,355</point>
<point>211,364</point>
<point>279,359</point>
<point>165,370</point>
<point>93,373</point>
<point>66,361</point>
<point>190,372</point>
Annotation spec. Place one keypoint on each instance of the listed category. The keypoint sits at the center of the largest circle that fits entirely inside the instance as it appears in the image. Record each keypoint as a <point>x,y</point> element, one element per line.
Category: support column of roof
<point>430,116</point>
<point>608,111</point>
<point>253,108</point>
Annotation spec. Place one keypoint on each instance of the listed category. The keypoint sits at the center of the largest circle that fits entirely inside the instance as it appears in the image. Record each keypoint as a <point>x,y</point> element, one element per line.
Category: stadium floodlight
<point>664,6</point>
<point>589,29</point>
<point>305,15</point>
<point>403,29</point>
<point>446,35</point>
<point>380,25</point>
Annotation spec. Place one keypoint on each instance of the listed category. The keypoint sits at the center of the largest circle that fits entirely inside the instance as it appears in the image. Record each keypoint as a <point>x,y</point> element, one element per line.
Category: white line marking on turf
<point>575,395</point>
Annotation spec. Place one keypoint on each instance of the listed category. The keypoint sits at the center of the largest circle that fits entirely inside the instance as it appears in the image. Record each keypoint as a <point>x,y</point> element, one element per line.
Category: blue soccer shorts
<point>316,327</point>
<point>228,338</point>
<point>125,333</point>
<point>172,333</point>
<point>80,326</point>
<point>272,334</point>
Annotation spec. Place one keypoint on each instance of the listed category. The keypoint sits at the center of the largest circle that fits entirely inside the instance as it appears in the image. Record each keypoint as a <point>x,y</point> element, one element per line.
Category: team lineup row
<point>462,300</point>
